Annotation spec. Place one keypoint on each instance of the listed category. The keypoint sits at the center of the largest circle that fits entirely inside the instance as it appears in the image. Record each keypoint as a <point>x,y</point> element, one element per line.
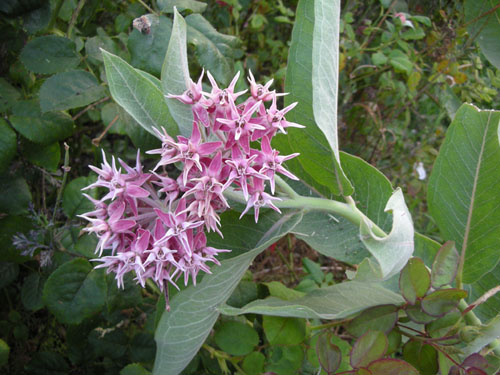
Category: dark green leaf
<point>245,292</point>
<point>8,95</point>
<point>175,75</point>
<point>167,6</point>
<point>444,326</point>
<point>422,356</point>
<point>314,269</point>
<point>213,49</point>
<point>8,145</point>
<point>285,360</point>
<point>45,156</point>
<point>31,292</point>
<point>394,339</point>
<point>50,54</point>
<point>284,331</point>
<point>137,95</point>
<point>68,90</point>
<point>444,268</point>
<point>486,29</point>
<point>8,273</point>
<point>11,225</point>
<point>277,289</point>
<point>41,128</point>
<point>416,314</point>
<point>442,301</point>
<point>379,318</point>
<point>391,367</point>
<point>147,50</point>
<point>4,353</point>
<point>236,338</point>
<point>134,369</point>
<point>37,19</point>
<point>15,197</point>
<point>94,45</point>
<point>75,291</point>
<point>414,280</point>
<point>253,364</point>
<point>142,348</point>
<point>368,348</point>
<point>463,189</point>
<point>47,363</point>
<point>111,344</point>
<point>329,354</point>
<point>74,203</point>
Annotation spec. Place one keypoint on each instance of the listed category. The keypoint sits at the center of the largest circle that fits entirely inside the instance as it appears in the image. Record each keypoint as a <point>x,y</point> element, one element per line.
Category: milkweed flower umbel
<point>152,224</point>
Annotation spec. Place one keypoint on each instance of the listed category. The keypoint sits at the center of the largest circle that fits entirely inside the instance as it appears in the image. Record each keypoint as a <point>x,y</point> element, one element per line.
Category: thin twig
<point>74,17</point>
<point>97,140</point>
<point>488,12</point>
<point>89,107</point>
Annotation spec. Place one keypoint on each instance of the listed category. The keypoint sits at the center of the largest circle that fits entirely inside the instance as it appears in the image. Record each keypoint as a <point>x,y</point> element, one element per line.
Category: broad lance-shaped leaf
<point>393,251</point>
<point>175,75</point>
<point>334,302</point>
<point>325,77</point>
<point>463,197</point>
<point>193,312</point>
<point>317,166</point>
<point>137,95</point>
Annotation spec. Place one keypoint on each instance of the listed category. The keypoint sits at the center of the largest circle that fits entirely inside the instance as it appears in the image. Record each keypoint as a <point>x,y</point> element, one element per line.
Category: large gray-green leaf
<point>325,74</point>
<point>485,29</point>
<point>49,54</point>
<point>393,251</point>
<point>147,50</point>
<point>167,6</point>
<point>463,189</point>
<point>138,95</point>
<point>333,302</point>
<point>67,90</point>
<point>316,165</point>
<point>213,49</point>
<point>182,331</point>
<point>175,75</point>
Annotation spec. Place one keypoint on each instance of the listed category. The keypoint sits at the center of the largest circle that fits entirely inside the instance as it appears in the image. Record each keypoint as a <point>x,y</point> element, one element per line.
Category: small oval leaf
<point>444,268</point>
<point>329,354</point>
<point>380,318</point>
<point>392,367</point>
<point>368,348</point>
<point>236,338</point>
<point>414,280</point>
<point>441,302</point>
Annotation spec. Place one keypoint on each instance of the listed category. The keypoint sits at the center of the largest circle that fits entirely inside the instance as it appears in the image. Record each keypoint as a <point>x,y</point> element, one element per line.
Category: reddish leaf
<point>329,354</point>
<point>392,367</point>
<point>441,302</point>
<point>368,348</point>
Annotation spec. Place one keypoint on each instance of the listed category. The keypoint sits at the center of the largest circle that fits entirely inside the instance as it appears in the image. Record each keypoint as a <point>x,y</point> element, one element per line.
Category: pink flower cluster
<point>153,224</point>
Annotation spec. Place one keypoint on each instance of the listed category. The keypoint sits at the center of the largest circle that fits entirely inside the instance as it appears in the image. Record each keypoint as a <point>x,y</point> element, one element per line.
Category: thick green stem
<point>346,210</point>
<point>284,187</point>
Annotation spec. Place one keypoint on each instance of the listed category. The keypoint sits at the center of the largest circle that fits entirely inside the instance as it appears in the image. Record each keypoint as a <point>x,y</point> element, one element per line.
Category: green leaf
<point>314,269</point>
<point>315,166</point>
<point>381,318</point>
<point>45,156</point>
<point>167,6</point>
<point>284,331</point>
<point>111,344</point>
<point>400,62</point>
<point>8,273</point>
<point>441,302</point>
<point>285,360</point>
<point>15,197</point>
<point>333,302</point>
<point>416,314</point>
<point>8,144</point>
<point>379,58</point>
<point>142,347</point>
<point>74,203</point>
<point>485,30</point>
<point>102,41</point>
<point>487,333</point>
<point>68,90</point>
<point>422,356</point>
<point>11,225</point>
<point>134,369</point>
<point>50,54</point>
<point>277,289</point>
<point>212,49</point>
<point>246,291</point>
<point>47,363</point>
<point>393,251</point>
<point>175,75</point>
<point>236,338</point>
<point>8,95</point>
<point>329,354</point>
<point>444,268</point>
<point>414,280</point>
<point>368,348</point>
<point>182,331</point>
<point>75,291</point>
<point>462,189</point>
<point>391,366</point>
<point>137,95</point>
<point>4,353</point>
<point>253,364</point>
<point>325,75</point>
<point>31,292</point>
<point>147,50</point>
